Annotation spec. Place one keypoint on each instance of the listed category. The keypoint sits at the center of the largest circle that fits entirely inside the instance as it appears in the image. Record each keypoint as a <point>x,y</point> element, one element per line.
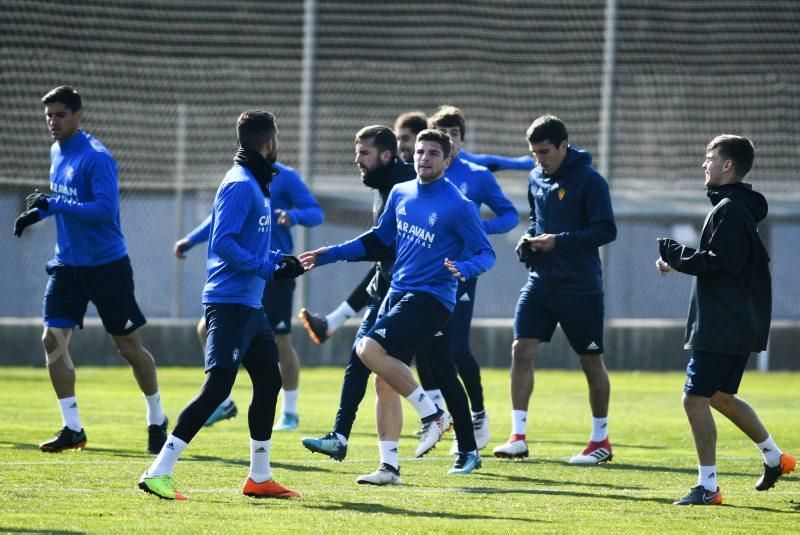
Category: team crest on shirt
<point>70,172</point>
<point>266,203</point>
<point>561,193</point>
<point>464,188</point>
<point>432,219</point>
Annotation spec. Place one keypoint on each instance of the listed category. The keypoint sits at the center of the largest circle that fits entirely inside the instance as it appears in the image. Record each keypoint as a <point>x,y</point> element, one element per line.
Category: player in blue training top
<point>438,238</point>
<point>239,264</point>
<point>571,217</point>
<point>478,185</point>
<point>292,204</point>
<point>91,264</point>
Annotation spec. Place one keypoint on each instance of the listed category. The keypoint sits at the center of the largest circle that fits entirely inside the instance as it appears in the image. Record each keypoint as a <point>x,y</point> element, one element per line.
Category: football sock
<point>339,316</point>
<point>599,429</point>
<point>476,414</point>
<point>707,477</point>
<point>167,457</point>
<point>290,401</point>
<point>341,438</point>
<point>389,454</point>
<point>259,461</point>
<point>422,403</point>
<point>519,421</point>
<point>69,413</point>
<point>155,414</point>
<point>436,397</point>
<point>770,451</point>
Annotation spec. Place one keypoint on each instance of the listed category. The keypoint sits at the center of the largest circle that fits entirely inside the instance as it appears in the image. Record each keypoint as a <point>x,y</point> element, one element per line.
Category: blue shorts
<point>238,334</point>
<point>461,320</point>
<point>708,373</point>
<point>277,303</point>
<point>370,317</point>
<point>407,321</point>
<point>581,318</point>
<point>108,286</point>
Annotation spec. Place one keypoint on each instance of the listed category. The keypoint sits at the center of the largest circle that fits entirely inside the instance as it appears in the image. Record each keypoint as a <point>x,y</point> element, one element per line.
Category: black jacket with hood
<point>731,305</point>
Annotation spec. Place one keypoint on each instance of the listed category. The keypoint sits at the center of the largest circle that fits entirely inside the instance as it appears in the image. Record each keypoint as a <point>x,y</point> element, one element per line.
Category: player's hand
<point>37,199</point>
<point>309,258</point>
<point>288,268</point>
<point>524,248</point>
<point>543,242</point>
<point>180,248</point>
<point>451,266</point>
<point>25,220</point>
<point>662,267</point>
<point>284,219</point>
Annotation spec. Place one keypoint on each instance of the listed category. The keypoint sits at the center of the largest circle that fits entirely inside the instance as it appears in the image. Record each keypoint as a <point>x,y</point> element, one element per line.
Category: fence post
<point>180,181</point>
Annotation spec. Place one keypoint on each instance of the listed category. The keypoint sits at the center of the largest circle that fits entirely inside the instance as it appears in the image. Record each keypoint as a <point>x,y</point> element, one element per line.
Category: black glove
<point>288,268</point>
<point>25,220</point>
<point>524,251</point>
<point>37,199</point>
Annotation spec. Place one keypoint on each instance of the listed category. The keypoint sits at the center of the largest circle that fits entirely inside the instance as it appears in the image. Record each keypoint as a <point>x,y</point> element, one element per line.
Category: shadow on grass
<point>570,493</point>
<point>582,444</point>
<point>636,467</point>
<point>88,450</point>
<point>295,467</point>
<point>537,481</point>
<point>385,509</point>
<point>4,529</point>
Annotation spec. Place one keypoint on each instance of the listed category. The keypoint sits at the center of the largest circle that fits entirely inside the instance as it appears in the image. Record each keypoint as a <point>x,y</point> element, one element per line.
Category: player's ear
<point>79,114</point>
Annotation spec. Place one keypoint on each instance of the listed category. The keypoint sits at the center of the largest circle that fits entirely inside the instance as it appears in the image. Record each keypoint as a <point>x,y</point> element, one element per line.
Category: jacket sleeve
<point>532,214</point>
<point>476,241</point>
<point>200,233</point>
<point>495,162</point>
<point>305,209</point>
<point>724,253</point>
<point>601,229</point>
<point>506,215</point>
<point>101,174</point>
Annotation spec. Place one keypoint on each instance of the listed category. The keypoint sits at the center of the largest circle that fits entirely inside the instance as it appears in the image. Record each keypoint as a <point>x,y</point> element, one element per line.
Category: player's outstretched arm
<point>308,259</point>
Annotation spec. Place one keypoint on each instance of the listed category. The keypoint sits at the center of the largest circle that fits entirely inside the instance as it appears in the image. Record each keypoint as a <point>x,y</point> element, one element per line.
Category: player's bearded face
<point>429,160</point>
<point>367,157</point>
<point>272,153</point>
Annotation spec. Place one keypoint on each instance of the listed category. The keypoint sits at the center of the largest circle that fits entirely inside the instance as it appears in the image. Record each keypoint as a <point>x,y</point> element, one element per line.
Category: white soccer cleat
<point>432,432</point>
<point>595,453</point>
<point>384,475</point>
<point>515,448</point>
<point>480,424</point>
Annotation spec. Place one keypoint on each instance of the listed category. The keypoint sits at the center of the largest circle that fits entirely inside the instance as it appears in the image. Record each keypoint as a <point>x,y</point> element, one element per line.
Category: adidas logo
<point>381,333</point>
<point>765,450</point>
<point>393,450</point>
<point>465,298</point>
<point>75,406</point>
<point>525,419</point>
<point>128,324</point>
<point>261,450</point>
<point>171,446</point>
<point>281,325</point>
<point>712,475</point>
<point>603,426</point>
<point>440,333</point>
<point>401,210</point>
<point>421,397</point>
<point>592,347</point>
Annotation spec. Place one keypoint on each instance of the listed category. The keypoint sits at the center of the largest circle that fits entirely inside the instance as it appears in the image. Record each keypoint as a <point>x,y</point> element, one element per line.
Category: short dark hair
<point>447,116</point>
<point>382,136</point>
<point>738,149</point>
<point>442,138</point>
<point>64,94</point>
<point>547,128</point>
<point>254,128</point>
<point>416,121</point>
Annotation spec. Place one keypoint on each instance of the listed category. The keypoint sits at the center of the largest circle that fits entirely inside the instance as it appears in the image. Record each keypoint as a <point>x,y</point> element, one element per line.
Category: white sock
<point>707,477</point>
<point>436,397</point>
<point>69,413</point>
<point>228,400</point>
<point>599,429</point>
<point>341,438</point>
<point>167,457</point>
<point>770,451</point>
<point>339,316</point>
<point>155,414</point>
<point>259,461</point>
<point>421,402</point>
<point>519,421</point>
<point>389,454</point>
<point>290,401</point>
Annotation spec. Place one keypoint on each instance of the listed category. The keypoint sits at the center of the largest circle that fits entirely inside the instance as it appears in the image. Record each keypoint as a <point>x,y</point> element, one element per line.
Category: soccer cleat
<point>65,439</point>
<point>225,412</point>
<point>515,448</point>
<point>268,489</point>
<point>595,453</point>
<point>329,445</point>
<point>480,424</point>
<point>431,433</point>
<point>386,474</point>
<point>700,496</point>
<point>156,437</point>
<point>161,486</point>
<point>465,463</point>
<point>316,326</point>
<point>288,422</point>
<point>773,473</point>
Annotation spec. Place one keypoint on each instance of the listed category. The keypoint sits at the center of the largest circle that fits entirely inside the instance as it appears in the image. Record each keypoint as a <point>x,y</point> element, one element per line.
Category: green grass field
<point>94,490</point>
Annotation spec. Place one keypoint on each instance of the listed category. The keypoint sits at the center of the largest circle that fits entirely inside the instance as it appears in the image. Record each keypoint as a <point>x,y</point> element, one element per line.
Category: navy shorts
<point>108,286</point>
<point>370,317</point>
<point>708,373</point>
<point>581,318</point>
<point>407,321</point>
<point>277,303</point>
<point>461,320</point>
<point>238,334</point>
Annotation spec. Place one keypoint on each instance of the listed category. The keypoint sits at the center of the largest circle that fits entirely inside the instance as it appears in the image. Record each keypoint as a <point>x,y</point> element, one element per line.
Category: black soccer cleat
<point>156,437</point>
<point>700,496</point>
<point>773,473</point>
<point>66,439</point>
<point>317,326</point>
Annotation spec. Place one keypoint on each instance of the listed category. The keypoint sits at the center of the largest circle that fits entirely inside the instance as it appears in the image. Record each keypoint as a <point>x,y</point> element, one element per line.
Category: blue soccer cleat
<point>465,463</point>
<point>288,422</point>
<point>329,445</point>
<point>223,412</point>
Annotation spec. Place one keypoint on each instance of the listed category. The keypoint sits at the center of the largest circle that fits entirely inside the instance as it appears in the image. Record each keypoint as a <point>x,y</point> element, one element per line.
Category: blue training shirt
<point>427,223</point>
<point>239,259</point>
<point>85,202</point>
<point>494,162</point>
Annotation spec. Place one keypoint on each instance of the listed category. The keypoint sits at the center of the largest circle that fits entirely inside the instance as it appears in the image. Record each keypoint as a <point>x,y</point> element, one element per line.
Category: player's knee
<point>56,343</point>
<point>202,331</point>
<point>382,388</point>
<point>522,352</point>
<point>692,402</point>
<point>130,348</point>
<point>722,402</point>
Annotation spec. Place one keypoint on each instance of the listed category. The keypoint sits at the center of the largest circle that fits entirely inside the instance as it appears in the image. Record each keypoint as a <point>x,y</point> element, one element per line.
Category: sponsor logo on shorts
<point>235,354</point>
<point>465,298</point>
<point>381,333</point>
<point>128,324</point>
<point>440,333</point>
<point>593,347</point>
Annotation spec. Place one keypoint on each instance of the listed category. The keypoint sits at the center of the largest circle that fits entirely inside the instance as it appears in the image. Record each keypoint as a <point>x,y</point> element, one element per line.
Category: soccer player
<point>91,264</point>
<point>478,185</point>
<point>570,217</point>
<point>729,314</point>
<point>292,203</point>
<point>430,223</point>
<point>239,263</point>
<point>381,170</point>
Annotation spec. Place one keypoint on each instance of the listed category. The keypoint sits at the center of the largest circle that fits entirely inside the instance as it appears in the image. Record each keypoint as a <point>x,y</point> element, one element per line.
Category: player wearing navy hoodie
<point>91,264</point>
<point>571,217</point>
<point>239,264</point>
